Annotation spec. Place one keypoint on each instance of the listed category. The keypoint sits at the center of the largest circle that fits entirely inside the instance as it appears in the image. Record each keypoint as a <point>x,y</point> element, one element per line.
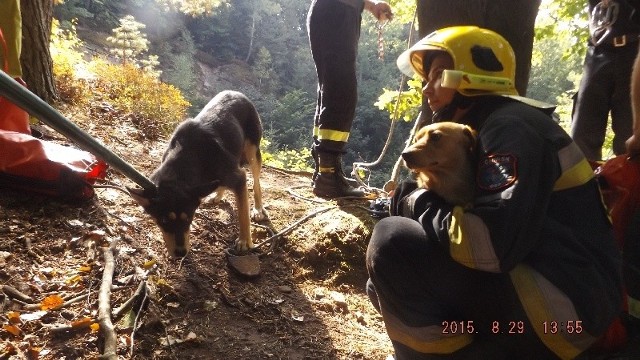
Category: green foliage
<point>296,160</point>
<point>406,105</point>
<point>154,107</point>
<point>288,120</point>
<point>101,15</point>
<point>263,69</point>
<point>567,18</point>
<point>403,10</point>
<point>192,7</point>
<point>183,73</point>
<point>131,92</point>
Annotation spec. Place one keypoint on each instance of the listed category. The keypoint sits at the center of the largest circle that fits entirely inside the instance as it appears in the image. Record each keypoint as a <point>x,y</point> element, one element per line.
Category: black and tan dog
<point>206,154</point>
<point>441,155</point>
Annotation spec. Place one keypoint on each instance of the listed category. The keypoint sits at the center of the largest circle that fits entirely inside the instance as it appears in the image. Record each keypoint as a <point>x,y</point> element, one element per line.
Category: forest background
<point>260,47</point>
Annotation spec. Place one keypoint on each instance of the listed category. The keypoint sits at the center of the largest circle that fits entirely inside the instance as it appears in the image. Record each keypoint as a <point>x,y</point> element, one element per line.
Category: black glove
<point>410,201</point>
<point>425,206</point>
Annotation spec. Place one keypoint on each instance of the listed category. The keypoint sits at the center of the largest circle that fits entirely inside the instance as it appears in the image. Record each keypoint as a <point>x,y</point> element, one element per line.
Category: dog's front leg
<point>245,243</point>
<point>252,153</point>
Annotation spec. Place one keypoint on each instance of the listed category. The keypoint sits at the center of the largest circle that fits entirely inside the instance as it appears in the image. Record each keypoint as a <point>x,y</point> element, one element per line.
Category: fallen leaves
<point>51,302</point>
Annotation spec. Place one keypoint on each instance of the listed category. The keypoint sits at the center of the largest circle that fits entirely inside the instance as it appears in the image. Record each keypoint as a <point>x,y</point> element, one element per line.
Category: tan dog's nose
<point>412,158</point>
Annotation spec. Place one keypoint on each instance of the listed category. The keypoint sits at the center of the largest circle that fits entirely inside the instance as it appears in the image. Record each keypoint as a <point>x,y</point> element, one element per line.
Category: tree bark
<point>513,19</point>
<point>251,35</point>
<point>37,65</point>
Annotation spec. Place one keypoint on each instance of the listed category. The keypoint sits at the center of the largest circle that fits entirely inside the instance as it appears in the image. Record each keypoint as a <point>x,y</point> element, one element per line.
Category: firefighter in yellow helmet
<point>530,270</point>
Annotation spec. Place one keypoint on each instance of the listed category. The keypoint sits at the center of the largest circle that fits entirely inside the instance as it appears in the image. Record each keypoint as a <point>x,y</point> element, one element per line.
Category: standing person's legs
<point>334,30</point>
<point>621,113</point>
<point>436,308</point>
<point>592,103</point>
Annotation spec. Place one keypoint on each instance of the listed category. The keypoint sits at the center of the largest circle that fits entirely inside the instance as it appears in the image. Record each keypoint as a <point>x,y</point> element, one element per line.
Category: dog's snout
<point>408,156</point>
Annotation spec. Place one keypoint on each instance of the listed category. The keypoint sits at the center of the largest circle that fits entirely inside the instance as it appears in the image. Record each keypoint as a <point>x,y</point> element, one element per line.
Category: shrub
<point>68,63</point>
<point>296,160</point>
<point>154,107</point>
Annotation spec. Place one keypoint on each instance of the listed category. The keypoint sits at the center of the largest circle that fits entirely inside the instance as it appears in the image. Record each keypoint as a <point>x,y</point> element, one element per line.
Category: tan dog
<point>442,158</point>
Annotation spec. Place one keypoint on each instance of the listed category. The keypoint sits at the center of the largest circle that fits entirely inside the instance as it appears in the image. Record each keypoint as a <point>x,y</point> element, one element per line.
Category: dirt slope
<point>308,303</point>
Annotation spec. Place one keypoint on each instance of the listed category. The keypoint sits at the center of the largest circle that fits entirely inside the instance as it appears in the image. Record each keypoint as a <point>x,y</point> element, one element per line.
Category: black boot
<point>330,181</point>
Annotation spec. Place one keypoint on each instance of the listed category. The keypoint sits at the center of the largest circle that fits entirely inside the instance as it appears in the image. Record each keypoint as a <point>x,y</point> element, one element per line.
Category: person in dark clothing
<point>531,270</point>
<point>334,31</point>
<point>633,143</point>
<point>604,87</point>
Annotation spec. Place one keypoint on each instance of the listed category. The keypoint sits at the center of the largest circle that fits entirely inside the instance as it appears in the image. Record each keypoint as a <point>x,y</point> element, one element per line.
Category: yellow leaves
<point>14,317</point>
<point>95,327</point>
<point>84,322</point>
<point>51,302</point>
<point>149,264</point>
<point>72,279</point>
<point>12,329</point>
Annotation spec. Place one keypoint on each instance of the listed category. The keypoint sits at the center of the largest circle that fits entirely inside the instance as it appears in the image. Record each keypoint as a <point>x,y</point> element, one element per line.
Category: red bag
<point>619,180</point>
<point>31,164</point>
<point>620,183</point>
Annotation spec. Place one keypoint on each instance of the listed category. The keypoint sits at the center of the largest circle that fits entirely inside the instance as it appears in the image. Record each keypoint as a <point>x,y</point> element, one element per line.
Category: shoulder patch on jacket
<point>497,172</point>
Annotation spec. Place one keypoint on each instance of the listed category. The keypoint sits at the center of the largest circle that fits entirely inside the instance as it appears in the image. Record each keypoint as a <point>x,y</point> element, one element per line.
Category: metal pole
<point>21,96</point>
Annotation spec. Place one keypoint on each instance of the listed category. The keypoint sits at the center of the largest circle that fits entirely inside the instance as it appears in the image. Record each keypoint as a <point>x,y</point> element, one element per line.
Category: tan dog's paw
<point>244,245</point>
<point>216,197</point>
<point>259,215</point>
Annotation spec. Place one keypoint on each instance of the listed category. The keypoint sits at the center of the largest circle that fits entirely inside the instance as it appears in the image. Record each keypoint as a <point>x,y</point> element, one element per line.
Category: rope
<point>366,166</point>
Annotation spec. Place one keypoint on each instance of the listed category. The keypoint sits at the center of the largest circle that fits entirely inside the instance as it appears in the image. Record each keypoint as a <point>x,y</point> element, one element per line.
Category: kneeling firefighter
<point>531,269</point>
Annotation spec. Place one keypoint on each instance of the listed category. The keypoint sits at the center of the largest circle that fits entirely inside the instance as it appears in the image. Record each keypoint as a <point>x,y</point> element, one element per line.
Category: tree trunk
<point>251,35</point>
<point>36,60</point>
<point>513,19</point>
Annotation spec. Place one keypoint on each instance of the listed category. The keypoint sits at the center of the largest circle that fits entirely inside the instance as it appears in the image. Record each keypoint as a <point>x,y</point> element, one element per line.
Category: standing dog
<point>442,158</point>
<point>206,154</point>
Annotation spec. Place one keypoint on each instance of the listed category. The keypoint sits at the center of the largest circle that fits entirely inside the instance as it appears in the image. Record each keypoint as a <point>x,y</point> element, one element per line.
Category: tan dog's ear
<point>472,135</point>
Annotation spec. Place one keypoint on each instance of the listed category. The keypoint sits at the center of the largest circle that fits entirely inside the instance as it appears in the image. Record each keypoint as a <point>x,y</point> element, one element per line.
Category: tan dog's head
<point>442,158</point>
<point>440,145</point>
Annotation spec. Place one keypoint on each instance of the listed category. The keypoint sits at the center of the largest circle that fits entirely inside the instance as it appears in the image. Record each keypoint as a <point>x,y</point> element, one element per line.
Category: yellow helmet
<point>484,62</point>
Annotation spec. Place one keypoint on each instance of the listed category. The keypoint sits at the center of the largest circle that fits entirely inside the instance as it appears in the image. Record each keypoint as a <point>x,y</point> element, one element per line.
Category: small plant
<point>128,41</point>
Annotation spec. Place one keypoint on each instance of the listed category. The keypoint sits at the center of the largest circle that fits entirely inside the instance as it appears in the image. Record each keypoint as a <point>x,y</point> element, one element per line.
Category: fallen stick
<point>59,328</point>
<point>63,305</point>
<point>135,322</point>
<point>126,306</point>
<point>14,293</point>
<point>104,306</point>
